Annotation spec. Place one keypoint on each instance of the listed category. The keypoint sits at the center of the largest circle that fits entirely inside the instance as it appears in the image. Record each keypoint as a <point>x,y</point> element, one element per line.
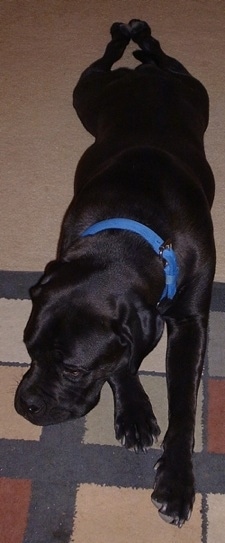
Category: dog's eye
<point>72,372</point>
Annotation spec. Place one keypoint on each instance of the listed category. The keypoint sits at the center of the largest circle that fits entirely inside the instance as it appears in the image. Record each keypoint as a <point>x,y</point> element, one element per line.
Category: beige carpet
<point>79,486</point>
<point>45,45</point>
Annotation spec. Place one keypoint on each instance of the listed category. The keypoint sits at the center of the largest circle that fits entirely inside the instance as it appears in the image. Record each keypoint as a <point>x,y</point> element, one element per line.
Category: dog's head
<point>79,333</point>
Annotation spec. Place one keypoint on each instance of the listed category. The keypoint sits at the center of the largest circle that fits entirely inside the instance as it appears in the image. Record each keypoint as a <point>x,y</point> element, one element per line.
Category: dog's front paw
<point>174,493</point>
<point>136,427</point>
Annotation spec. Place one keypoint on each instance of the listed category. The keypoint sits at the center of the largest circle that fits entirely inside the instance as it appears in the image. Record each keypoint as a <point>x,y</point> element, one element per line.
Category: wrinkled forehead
<point>58,323</point>
<point>86,330</point>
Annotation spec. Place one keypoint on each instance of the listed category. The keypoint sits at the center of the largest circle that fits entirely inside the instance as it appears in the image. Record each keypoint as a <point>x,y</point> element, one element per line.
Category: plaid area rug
<point>73,483</point>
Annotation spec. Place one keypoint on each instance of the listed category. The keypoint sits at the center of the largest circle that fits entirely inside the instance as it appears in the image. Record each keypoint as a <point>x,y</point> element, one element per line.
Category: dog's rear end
<point>100,308</point>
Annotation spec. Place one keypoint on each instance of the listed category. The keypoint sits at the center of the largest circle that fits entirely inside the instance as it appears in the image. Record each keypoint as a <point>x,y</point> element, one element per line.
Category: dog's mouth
<point>40,413</point>
<point>43,411</point>
<point>36,409</point>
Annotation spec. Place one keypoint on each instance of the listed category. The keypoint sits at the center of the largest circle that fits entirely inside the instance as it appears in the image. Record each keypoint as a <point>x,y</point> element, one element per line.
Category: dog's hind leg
<point>120,34</point>
<point>151,52</point>
<point>87,95</point>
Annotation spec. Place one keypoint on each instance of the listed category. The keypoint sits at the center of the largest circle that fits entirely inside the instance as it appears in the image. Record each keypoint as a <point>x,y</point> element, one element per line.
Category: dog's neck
<point>162,248</point>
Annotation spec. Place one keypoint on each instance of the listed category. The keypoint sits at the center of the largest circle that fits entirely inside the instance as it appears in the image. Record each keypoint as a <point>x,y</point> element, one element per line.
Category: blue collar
<point>163,249</point>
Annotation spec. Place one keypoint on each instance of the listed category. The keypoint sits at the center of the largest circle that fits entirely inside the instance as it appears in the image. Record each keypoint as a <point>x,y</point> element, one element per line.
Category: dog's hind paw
<point>120,31</point>
<point>139,29</point>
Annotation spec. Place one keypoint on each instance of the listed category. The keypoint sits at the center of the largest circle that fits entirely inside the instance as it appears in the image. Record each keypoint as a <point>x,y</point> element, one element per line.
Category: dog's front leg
<point>135,423</point>
<point>174,485</point>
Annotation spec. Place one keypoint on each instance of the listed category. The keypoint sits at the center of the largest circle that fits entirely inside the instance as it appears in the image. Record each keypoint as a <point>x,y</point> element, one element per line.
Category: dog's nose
<point>32,405</point>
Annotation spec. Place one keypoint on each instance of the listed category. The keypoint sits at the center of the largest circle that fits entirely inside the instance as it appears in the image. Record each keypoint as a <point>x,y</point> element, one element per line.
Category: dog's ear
<point>81,248</point>
<point>141,328</point>
<point>148,334</point>
<point>50,270</point>
<point>62,272</point>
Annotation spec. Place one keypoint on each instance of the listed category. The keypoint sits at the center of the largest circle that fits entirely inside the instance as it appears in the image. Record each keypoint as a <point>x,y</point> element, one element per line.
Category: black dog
<point>100,308</point>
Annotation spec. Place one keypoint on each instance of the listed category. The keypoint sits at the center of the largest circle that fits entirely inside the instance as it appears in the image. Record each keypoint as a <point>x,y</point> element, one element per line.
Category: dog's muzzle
<point>43,406</point>
<point>33,407</point>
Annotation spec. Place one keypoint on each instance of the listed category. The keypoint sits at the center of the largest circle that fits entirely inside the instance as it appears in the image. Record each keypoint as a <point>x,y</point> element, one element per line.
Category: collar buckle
<point>165,245</point>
